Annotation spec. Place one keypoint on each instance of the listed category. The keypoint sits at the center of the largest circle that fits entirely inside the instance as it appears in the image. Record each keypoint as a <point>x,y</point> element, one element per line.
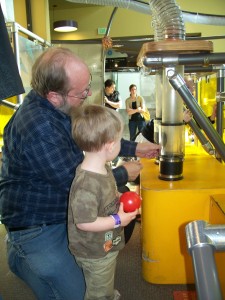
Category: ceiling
<point>130,46</point>
<point>63,4</point>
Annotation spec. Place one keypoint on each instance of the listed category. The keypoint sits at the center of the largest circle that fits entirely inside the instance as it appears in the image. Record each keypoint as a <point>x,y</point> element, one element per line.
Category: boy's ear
<point>54,98</point>
<point>110,146</point>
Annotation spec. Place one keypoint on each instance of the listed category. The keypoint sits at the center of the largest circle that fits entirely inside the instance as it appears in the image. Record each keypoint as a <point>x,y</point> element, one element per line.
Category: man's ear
<point>55,99</point>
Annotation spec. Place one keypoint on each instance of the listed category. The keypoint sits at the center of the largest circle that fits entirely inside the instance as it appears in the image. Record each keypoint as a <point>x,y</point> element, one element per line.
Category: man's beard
<point>65,108</point>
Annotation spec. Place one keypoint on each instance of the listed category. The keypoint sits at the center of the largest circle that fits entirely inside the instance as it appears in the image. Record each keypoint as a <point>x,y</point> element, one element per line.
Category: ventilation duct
<point>143,8</point>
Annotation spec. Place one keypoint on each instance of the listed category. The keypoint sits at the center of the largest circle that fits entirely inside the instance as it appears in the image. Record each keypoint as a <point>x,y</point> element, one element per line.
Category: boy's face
<point>115,148</point>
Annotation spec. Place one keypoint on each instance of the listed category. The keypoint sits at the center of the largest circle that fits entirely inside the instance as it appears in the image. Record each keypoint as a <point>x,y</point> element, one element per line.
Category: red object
<point>131,201</point>
<point>184,295</point>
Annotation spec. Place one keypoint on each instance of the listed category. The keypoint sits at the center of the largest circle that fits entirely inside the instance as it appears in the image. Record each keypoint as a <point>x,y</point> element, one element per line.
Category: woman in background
<point>135,106</point>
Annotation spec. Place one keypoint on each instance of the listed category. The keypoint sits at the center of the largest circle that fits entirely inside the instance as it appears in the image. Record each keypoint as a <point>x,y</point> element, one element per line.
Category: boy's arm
<point>108,223</point>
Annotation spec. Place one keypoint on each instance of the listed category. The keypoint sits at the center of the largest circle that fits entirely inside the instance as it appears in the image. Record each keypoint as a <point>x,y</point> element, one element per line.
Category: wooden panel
<point>174,46</point>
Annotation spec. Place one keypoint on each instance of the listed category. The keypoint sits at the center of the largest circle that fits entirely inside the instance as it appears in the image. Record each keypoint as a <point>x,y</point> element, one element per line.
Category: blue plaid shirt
<point>38,164</point>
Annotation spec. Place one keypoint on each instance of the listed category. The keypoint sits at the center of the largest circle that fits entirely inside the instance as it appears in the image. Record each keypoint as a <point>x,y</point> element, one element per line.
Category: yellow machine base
<point>168,206</point>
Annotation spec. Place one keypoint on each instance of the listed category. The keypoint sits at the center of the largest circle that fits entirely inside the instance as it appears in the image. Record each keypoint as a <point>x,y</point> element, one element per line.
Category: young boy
<point>96,217</point>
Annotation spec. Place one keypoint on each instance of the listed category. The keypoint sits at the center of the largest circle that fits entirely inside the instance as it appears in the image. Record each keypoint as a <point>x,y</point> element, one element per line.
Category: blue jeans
<point>40,256</point>
<point>133,126</point>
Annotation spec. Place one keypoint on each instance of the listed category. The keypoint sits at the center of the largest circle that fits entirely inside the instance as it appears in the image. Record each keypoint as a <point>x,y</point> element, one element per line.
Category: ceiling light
<point>65,26</point>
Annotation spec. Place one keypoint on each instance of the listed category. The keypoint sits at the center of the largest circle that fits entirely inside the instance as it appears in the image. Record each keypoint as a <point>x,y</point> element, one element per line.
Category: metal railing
<point>203,240</point>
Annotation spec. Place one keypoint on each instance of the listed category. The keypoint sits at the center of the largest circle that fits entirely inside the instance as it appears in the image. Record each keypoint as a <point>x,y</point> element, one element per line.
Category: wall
<point>40,17</point>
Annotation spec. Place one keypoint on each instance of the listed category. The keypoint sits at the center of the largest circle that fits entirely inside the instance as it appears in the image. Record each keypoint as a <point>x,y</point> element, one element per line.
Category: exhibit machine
<point>183,190</point>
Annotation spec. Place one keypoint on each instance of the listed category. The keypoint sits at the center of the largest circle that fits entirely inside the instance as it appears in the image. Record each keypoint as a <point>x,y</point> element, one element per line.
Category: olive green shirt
<point>93,195</point>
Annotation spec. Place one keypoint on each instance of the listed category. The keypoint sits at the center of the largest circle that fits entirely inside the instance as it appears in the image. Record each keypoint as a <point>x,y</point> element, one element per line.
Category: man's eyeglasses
<point>84,94</point>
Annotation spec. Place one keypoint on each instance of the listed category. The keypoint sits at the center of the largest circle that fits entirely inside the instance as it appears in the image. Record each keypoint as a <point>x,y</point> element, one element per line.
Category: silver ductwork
<point>191,17</point>
<point>168,24</point>
<point>167,20</point>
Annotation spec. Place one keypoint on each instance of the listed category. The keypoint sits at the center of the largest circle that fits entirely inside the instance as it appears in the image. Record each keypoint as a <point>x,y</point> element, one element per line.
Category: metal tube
<point>172,132</point>
<point>167,20</point>
<point>9,104</point>
<point>202,240</point>
<point>104,51</point>
<point>195,69</point>
<point>15,39</point>
<point>179,85</point>
<point>158,105</point>
<point>201,137</point>
<point>206,276</point>
<point>110,21</point>
<point>206,59</point>
<point>219,111</point>
<point>201,58</point>
<point>215,235</point>
<point>16,27</point>
<point>29,15</point>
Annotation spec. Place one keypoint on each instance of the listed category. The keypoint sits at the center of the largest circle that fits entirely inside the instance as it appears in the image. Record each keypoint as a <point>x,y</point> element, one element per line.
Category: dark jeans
<point>133,126</point>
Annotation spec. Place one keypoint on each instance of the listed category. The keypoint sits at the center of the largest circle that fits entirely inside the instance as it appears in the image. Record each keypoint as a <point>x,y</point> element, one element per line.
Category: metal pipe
<point>199,18</point>
<point>201,58</point>
<point>158,101</point>
<point>172,132</point>
<point>15,40</point>
<point>201,137</point>
<point>206,276</point>
<point>29,15</point>
<point>15,27</point>
<point>179,85</point>
<point>9,104</point>
<point>110,21</point>
<point>167,20</point>
<point>199,69</point>
<point>219,110</point>
<point>104,51</point>
<point>207,38</point>
<point>202,240</point>
<point>205,59</point>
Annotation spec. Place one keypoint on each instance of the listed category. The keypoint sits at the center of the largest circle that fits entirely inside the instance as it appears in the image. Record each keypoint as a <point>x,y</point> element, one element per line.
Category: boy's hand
<point>126,218</point>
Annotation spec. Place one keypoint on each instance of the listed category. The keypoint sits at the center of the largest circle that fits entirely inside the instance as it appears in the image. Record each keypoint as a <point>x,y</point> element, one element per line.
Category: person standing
<point>111,96</point>
<point>135,105</point>
<point>39,160</point>
<point>95,216</point>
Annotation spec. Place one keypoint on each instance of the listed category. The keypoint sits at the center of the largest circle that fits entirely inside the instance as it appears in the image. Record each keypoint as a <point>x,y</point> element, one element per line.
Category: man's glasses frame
<point>84,94</point>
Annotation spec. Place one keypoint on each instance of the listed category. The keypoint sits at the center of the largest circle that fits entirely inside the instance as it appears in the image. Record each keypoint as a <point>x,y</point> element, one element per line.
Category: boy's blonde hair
<point>93,126</point>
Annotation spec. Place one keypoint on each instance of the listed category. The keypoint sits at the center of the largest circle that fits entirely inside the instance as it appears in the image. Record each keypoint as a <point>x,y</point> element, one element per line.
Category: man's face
<point>79,91</point>
<point>111,89</point>
<point>74,98</point>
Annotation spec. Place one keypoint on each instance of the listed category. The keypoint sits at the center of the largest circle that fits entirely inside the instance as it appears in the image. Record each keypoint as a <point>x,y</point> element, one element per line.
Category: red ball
<point>131,201</point>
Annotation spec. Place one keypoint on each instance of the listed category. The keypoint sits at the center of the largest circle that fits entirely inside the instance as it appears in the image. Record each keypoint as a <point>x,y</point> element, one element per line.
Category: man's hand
<point>133,169</point>
<point>187,115</point>
<point>147,150</point>
<point>213,115</point>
